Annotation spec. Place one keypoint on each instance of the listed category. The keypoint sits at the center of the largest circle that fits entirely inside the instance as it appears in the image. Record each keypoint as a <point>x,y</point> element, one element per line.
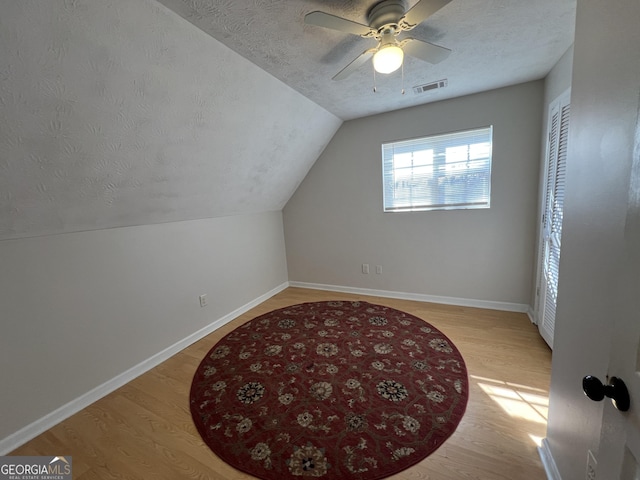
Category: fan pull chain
<point>374,81</point>
<point>402,68</point>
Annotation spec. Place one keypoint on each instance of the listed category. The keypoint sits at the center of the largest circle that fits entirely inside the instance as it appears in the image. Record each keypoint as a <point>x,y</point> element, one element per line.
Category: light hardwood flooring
<point>144,429</point>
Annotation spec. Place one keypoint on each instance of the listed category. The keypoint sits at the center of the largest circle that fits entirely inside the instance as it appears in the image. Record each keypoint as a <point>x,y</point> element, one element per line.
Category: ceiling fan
<point>386,20</point>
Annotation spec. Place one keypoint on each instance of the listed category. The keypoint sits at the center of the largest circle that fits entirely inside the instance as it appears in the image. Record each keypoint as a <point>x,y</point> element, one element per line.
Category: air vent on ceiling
<point>430,86</point>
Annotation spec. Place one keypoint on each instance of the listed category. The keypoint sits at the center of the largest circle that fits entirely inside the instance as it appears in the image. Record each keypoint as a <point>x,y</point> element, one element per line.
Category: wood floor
<point>144,429</point>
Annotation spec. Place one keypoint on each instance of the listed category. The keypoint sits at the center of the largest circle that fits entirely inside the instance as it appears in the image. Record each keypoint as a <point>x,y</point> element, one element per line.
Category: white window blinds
<point>440,172</point>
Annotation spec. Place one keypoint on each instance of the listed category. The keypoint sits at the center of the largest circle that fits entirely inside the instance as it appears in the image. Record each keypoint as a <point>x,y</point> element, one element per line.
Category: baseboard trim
<point>532,316</point>
<point>548,462</point>
<point>461,302</point>
<point>43,424</point>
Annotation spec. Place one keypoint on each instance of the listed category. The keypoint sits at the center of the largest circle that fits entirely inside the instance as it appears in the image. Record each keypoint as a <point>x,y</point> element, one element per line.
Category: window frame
<point>438,144</point>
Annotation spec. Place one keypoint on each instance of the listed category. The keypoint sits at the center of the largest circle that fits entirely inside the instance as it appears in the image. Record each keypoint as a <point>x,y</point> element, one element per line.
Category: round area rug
<point>337,390</point>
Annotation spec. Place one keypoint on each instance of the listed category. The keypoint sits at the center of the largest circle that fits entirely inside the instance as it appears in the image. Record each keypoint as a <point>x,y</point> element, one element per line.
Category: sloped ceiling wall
<point>118,112</point>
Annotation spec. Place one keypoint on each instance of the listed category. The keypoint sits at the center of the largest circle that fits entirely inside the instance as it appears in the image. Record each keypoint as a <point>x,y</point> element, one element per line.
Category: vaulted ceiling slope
<point>494,43</point>
<point>119,112</point>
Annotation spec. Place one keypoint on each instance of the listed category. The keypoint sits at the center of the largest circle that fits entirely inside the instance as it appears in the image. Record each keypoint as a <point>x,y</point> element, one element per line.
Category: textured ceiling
<point>494,43</point>
<point>117,112</point>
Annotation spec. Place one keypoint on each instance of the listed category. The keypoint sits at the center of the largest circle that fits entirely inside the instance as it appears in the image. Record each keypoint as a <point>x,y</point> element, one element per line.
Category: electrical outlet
<point>591,466</point>
<point>203,300</point>
<point>365,268</point>
<point>378,269</point>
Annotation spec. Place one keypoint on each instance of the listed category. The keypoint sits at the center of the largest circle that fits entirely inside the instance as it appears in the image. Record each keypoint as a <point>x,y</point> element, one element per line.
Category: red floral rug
<point>337,390</point>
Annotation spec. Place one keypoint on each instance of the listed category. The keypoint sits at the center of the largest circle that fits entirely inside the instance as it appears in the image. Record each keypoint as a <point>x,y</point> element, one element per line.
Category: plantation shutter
<point>558,202</point>
<point>553,215</point>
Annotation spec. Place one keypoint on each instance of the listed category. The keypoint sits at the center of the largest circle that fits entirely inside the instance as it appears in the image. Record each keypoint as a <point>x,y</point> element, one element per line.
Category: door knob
<point>616,391</point>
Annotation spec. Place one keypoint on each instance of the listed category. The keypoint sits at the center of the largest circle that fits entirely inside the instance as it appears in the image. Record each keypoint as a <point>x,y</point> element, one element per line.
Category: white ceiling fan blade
<point>326,20</point>
<point>420,12</point>
<point>353,66</point>
<point>424,50</point>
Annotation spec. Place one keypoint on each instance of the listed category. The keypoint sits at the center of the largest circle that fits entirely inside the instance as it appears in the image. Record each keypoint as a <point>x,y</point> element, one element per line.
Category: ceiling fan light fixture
<point>385,21</point>
<point>388,58</point>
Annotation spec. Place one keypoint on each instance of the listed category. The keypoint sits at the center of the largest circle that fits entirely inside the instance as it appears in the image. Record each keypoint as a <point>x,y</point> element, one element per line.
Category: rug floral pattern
<point>331,390</point>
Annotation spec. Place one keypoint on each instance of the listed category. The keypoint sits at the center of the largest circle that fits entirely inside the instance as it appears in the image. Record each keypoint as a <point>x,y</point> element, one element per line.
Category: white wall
<point>334,221</point>
<point>79,309</point>
<point>559,78</point>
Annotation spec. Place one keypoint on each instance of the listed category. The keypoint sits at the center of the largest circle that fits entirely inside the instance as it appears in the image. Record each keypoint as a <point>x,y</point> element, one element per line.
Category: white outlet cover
<point>203,300</point>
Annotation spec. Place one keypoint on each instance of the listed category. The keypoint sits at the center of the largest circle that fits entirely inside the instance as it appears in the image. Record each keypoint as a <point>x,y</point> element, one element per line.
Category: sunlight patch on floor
<point>537,440</point>
<point>519,401</point>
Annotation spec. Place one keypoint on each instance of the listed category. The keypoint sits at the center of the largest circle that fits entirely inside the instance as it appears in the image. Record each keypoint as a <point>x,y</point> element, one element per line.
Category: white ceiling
<point>494,43</point>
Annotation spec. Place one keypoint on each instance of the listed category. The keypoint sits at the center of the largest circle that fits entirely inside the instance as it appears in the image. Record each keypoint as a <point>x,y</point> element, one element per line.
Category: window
<point>440,172</point>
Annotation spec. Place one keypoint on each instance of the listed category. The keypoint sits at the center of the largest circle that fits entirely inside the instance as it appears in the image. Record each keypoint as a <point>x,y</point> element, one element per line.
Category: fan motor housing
<point>387,12</point>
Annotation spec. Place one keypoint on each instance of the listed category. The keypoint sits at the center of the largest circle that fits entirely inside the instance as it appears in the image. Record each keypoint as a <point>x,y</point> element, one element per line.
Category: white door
<point>552,213</point>
<point>615,143</point>
<point>619,450</point>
